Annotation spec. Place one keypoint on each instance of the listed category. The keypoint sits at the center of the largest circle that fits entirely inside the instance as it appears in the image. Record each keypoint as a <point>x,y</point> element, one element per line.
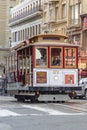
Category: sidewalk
<point>7,98</point>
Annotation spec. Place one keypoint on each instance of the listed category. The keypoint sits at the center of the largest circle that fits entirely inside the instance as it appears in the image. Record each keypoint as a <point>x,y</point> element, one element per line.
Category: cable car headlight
<point>55,77</point>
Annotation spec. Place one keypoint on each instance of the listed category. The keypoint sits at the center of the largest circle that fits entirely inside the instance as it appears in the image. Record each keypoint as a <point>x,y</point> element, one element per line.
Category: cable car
<point>48,66</point>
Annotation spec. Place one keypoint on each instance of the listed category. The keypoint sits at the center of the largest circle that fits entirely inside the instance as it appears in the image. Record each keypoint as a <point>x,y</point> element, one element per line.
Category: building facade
<point>31,18</point>
<point>55,16</point>
<point>25,21</point>
<point>74,22</point>
<point>5,6</point>
<point>76,29</point>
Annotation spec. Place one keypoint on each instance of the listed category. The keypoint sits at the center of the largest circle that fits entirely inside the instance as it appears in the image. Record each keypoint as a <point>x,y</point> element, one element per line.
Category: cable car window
<point>56,56</point>
<point>70,57</point>
<point>41,56</point>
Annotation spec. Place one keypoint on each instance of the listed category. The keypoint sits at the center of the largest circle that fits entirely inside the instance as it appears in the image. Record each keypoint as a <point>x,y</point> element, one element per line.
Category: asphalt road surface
<point>70,115</point>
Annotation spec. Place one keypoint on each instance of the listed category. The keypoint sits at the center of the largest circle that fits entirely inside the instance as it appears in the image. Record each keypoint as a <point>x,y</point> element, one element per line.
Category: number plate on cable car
<point>55,72</point>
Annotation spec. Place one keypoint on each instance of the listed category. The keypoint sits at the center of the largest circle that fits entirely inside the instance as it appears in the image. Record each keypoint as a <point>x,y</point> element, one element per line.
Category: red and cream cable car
<point>47,65</point>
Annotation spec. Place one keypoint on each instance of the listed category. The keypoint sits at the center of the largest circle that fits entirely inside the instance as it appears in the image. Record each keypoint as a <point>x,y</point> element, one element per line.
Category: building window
<point>39,27</point>
<point>36,4</point>
<point>36,29</point>
<point>51,12</point>
<point>75,11</point>
<point>30,31</point>
<point>33,31</point>
<point>72,14</point>
<point>23,34</point>
<point>57,13</point>
<point>13,37</point>
<point>16,36</point>
<point>64,11</point>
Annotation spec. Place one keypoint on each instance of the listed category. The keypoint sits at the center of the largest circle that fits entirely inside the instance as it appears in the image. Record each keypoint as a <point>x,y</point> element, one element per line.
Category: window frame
<point>42,66</point>
<point>73,58</point>
<point>56,66</point>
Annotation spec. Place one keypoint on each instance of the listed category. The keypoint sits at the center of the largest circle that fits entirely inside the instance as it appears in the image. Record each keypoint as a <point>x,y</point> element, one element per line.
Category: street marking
<point>50,111</point>
<point>76,108</point>
<point>5,113</point>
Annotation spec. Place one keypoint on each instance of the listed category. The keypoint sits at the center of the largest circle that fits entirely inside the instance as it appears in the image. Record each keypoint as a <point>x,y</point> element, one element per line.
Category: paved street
<point>42,116</point>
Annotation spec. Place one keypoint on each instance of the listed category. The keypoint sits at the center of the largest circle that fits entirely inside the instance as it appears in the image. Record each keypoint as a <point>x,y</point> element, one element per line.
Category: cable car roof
<point>44,40</point>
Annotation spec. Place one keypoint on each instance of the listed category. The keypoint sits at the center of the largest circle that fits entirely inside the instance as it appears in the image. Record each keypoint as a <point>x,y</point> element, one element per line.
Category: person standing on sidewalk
<point>4,84</point>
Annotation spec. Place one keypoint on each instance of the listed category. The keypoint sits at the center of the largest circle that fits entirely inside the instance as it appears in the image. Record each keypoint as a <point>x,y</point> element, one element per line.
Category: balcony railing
<point>26,15</point>
<point>48,1</point>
